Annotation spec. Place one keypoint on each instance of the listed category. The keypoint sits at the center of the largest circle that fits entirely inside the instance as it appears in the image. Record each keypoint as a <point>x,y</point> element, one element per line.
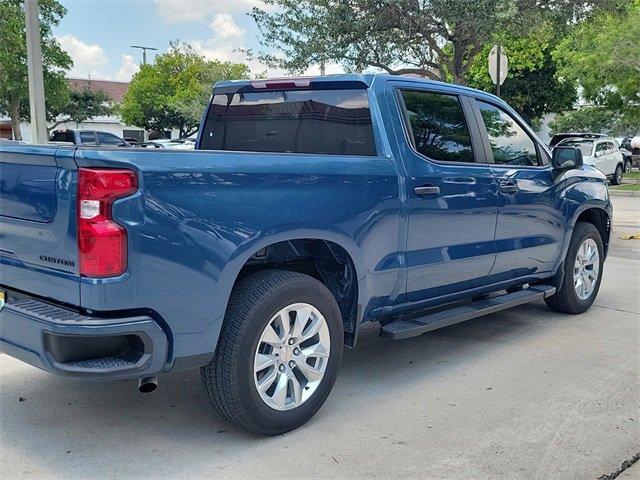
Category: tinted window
<point>585,146</point>
<point>87,138</point>
<point>62,136</point>
<point>438,126</point>
<point>108,139</point>
<point>510,144</point>
<point>336,122</point>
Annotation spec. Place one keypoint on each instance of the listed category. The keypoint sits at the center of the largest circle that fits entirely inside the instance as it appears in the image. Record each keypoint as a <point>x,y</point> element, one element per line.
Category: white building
<point>112,124</point>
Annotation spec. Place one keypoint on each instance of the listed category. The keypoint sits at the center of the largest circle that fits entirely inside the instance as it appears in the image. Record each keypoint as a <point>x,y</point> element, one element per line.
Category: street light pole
<point>144,52</point>
<point>35,75</point>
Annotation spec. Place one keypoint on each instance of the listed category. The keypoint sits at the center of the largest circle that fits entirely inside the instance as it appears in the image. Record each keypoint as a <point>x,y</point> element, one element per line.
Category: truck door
<point>530,226</point>
<point>451,193</point>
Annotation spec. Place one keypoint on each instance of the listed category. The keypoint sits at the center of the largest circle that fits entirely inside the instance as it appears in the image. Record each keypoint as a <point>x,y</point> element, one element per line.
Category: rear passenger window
<point>437,126</point>
<point>87,138</point>
<point>334,122</point>
<point>510,143</point>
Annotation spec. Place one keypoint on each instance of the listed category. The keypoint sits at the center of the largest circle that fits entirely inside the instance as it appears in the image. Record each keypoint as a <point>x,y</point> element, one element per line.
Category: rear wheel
<point>278,354</point>
<point>617,176</point>
<point>582,271</point>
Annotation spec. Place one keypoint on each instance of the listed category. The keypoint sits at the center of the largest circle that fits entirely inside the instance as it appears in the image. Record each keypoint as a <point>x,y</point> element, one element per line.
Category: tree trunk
<point>14,113</point>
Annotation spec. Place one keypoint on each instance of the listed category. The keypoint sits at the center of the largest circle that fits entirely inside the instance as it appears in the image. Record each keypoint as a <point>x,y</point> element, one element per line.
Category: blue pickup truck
<point>310,206</point>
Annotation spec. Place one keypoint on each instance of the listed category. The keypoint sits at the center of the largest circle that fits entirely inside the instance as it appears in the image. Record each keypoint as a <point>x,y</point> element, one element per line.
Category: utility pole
<point>144,52</point>
<point>34,72</point>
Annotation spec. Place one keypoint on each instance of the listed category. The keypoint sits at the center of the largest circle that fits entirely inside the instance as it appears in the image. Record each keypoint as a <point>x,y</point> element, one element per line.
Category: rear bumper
<point>66,342</point>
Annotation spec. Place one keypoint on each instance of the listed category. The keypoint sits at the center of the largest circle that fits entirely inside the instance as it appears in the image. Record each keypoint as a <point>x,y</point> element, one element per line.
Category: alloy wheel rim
<point>586,269</point>
<point>292,356</point>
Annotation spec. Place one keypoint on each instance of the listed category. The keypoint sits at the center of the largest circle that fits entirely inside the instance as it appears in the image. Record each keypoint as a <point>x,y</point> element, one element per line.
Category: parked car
<point>157,144</point>
<point>175,144</point>
<point>310,207</point>
<point>87,137</point>
<point>558,137</point>
<point>624,144</point>
<point>602,153</point>
<point>132,141</point>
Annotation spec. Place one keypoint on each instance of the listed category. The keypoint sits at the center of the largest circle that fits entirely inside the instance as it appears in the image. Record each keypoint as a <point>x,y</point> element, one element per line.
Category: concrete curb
<point>630,181</point>
<point>632,472</point>
<point>623,193</point>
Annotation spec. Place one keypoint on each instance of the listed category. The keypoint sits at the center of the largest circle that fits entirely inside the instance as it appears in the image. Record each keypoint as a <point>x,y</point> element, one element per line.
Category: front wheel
<point>617,175</point>
<point>278,354</point>
<point>582,271</point>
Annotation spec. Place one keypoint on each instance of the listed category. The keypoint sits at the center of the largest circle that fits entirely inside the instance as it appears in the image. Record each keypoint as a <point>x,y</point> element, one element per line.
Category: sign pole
<point>499,53</point>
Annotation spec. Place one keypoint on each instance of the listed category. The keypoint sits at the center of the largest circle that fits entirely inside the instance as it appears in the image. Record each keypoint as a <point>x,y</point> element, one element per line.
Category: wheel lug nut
<point>292,364</point>
<point>281,367</point>
<point>291,341</point>
<point>296,351</point>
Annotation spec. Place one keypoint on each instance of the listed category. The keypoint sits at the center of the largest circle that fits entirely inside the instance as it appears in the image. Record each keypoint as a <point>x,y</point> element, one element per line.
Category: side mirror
<point>566,158</point>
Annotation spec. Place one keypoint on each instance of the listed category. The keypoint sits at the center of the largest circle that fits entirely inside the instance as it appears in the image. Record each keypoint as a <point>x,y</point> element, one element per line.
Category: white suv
<point>601,153</point>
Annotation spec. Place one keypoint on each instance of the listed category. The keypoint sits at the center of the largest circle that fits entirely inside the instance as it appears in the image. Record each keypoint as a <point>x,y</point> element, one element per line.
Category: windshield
<point>585,146</point>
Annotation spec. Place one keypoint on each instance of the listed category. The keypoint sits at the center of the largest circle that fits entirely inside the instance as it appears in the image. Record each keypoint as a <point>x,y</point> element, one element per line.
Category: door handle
<point>508,187</point>
<point>427,190</point>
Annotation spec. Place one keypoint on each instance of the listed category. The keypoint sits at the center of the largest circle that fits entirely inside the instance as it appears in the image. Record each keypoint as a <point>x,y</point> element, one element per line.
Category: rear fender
<point>247,249</point>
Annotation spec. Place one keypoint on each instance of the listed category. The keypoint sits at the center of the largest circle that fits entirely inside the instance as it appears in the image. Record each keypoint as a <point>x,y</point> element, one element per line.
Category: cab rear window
<point>62,136</point>
<point>332,122</point>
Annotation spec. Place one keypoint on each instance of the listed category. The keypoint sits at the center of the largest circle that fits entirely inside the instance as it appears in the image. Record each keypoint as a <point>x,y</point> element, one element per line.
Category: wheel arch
<point>598,217</point>
<point>297,250</point>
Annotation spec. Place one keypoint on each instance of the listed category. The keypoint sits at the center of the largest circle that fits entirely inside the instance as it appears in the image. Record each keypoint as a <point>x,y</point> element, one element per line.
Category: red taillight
<point>102,243</point>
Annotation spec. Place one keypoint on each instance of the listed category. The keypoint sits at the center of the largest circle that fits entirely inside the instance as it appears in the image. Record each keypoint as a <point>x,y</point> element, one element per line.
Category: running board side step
<point>412,327</point>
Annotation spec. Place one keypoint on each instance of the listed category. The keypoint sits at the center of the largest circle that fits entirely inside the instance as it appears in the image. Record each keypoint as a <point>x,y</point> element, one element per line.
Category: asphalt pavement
<point>522,394</point>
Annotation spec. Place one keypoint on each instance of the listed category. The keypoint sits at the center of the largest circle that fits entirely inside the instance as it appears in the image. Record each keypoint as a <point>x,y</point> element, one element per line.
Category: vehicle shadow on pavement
<point>53,405</point>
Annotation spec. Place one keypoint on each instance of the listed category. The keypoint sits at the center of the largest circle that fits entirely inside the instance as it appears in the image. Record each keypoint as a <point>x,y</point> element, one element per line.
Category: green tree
<point>603,57</point>
<point>14,92</point>
<point>437,39</point>
<point>594,119</point>
<point>174,90</point>
<point>532,86</point>
<point>82,106</point>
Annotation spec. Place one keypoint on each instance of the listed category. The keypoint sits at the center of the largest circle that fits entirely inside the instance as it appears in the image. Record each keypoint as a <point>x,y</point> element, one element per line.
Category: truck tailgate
<point>38,244</point>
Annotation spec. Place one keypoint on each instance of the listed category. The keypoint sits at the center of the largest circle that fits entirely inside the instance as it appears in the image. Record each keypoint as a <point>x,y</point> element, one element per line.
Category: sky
<point>98,34</point>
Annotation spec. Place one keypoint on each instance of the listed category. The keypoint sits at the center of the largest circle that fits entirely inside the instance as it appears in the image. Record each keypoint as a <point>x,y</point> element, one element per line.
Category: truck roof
<point>343,80</point>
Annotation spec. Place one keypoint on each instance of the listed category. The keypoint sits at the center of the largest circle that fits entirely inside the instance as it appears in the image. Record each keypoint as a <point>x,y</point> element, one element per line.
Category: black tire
<point>565,299</point>
<point>617,175</point>
<point>229,377</point>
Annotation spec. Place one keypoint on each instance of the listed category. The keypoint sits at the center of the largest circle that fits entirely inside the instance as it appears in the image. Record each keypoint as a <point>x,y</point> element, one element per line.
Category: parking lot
<point>526,393</point>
